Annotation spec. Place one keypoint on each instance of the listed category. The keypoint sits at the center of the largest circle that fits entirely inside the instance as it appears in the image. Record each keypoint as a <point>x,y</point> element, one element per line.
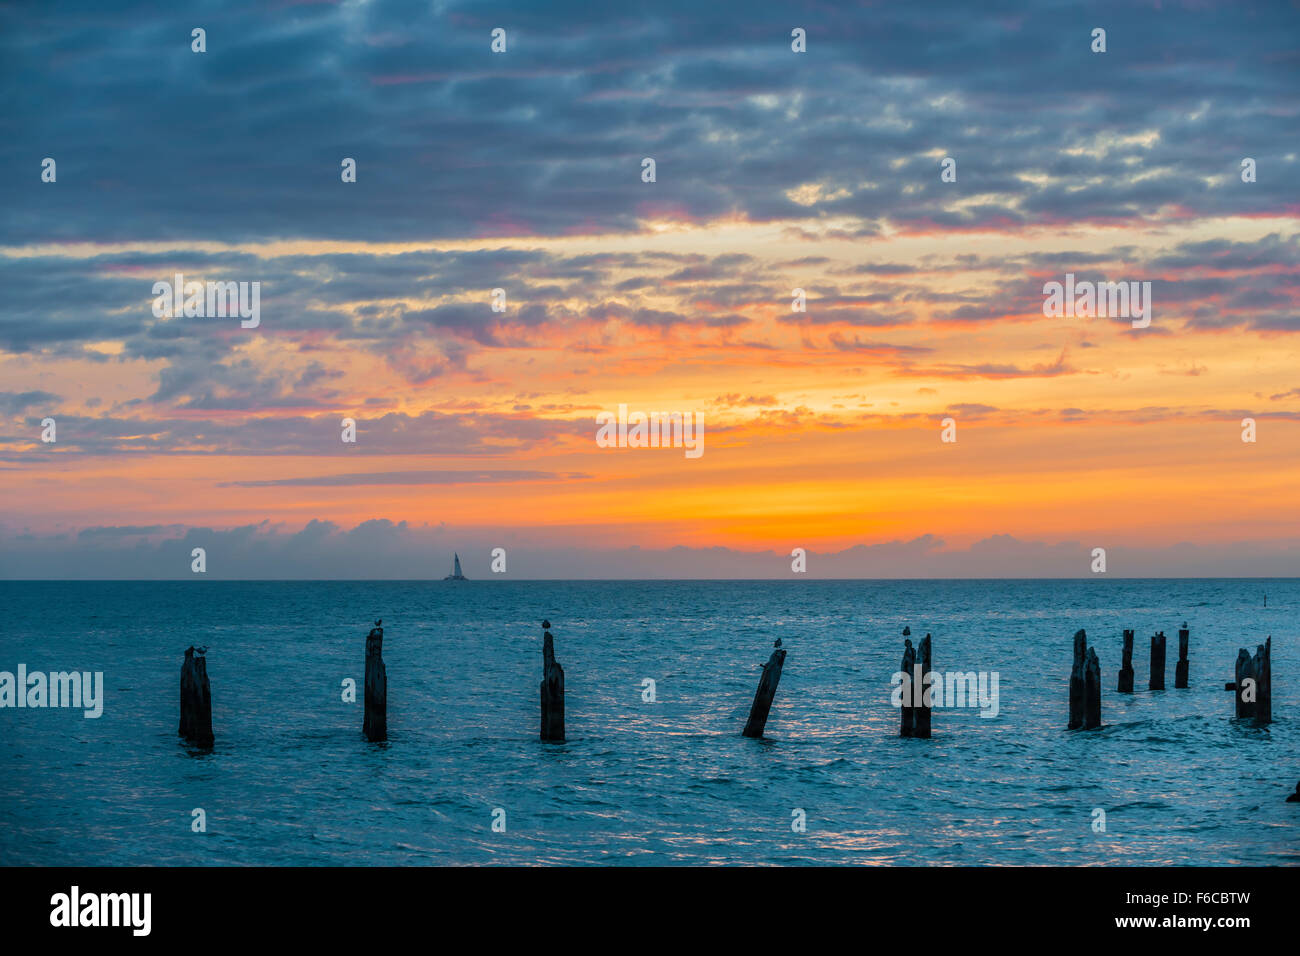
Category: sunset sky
<point>775,170</point>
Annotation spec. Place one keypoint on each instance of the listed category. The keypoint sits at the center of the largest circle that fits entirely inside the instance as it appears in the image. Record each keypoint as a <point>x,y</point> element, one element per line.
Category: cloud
<point>381,549</point>
<point>452,140</point>
<point>15,403</point>
<point>412,478</point>
<point>392,433</point>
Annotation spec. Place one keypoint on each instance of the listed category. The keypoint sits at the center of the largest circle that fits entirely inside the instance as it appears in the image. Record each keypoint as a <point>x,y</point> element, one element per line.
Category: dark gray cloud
<point>246,139</point>
<point>429,433</point>
<point>15,403</point>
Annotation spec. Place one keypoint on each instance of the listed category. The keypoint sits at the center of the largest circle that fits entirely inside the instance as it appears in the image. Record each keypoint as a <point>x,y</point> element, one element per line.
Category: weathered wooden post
<point>921,715</point>
<point>196,699</point>
<point>552,689</point>
<point>375,723</point>
<point>1092,692</point>
<point>1180,669</point>
<point>766,691</point>
<point>1157,678</point>
<point>1126,666</point>
<point>1264,683</point>
<point>1245,675</point>
<point>1078,681</point>
<point>909,670</point>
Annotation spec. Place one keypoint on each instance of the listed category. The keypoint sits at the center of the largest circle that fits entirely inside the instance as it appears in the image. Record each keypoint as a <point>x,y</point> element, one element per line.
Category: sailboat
<point>455,573</point>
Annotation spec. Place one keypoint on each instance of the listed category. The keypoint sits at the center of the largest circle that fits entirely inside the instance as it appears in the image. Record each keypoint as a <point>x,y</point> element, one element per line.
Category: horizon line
<point>792,580</point>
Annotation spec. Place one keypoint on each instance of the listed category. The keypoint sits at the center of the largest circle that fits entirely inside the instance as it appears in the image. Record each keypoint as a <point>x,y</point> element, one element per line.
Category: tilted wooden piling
<point>908,668</point>
<point>766,691</point>
<point>375,723</point>
<point>1264,683</point>
<point>1245,681</point>
<point>1078,681</point>
<point>552,689</point>
<point>921,715</point>
<point>1180,669</point>
<point>1126,666</point>
<point>1092,692</point>
<point>1157,679</point>
<point>196,700</point>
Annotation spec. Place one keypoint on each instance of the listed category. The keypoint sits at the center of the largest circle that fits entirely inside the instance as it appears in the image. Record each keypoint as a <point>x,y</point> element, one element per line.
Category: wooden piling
<point>1126,666</point>
<point>766,691</point>
<point>375,723</point>
<point>1264,683</point>
<point>1092,692</point>
<point>1245,673</point>
<point>552,689</point>
<point>196,700</point>
<point>1180,669</point>
<point>1157,679</point>
<point>908,668</point>
<point>1078,681</point>
<point>921,716</point>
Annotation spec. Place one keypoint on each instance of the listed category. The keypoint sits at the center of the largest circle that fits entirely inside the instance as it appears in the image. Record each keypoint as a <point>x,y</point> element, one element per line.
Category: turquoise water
<point>291,781</point>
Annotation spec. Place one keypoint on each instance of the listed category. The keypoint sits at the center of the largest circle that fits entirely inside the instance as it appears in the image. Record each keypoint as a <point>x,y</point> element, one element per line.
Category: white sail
<point>456,574</point>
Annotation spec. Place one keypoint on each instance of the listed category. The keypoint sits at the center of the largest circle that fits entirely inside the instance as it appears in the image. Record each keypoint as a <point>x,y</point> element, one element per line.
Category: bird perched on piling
<point>546,625</point>
<point>777,642</point>
<point>907,632</point>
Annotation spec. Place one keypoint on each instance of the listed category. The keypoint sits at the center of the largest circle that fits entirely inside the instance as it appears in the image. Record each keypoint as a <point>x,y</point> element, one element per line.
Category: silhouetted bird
<point>546,625</point>
<point>1295,797</point>
<point>907,632</point>
<point>777,642</point>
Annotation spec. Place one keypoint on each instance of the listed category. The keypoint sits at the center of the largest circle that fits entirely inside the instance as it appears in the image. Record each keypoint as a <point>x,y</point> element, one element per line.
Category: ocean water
<point>292,781</point>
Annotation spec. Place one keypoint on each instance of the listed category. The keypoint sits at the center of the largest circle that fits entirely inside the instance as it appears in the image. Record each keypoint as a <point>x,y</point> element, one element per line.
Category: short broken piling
<point>909,673</point>
<point>552,689</point>
<point>765,693</point>
<point>1264,683</point>
<point>375,723</point>
<point>1078,681</point>
<point>1180,669</point>
<point>1092,692</point>
<point>1253,687</point>
<point>196,700</point>
<point>1157,678</point>
<point>1245,684</point>
<point>1126,666</point>
<point>921,714</point>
